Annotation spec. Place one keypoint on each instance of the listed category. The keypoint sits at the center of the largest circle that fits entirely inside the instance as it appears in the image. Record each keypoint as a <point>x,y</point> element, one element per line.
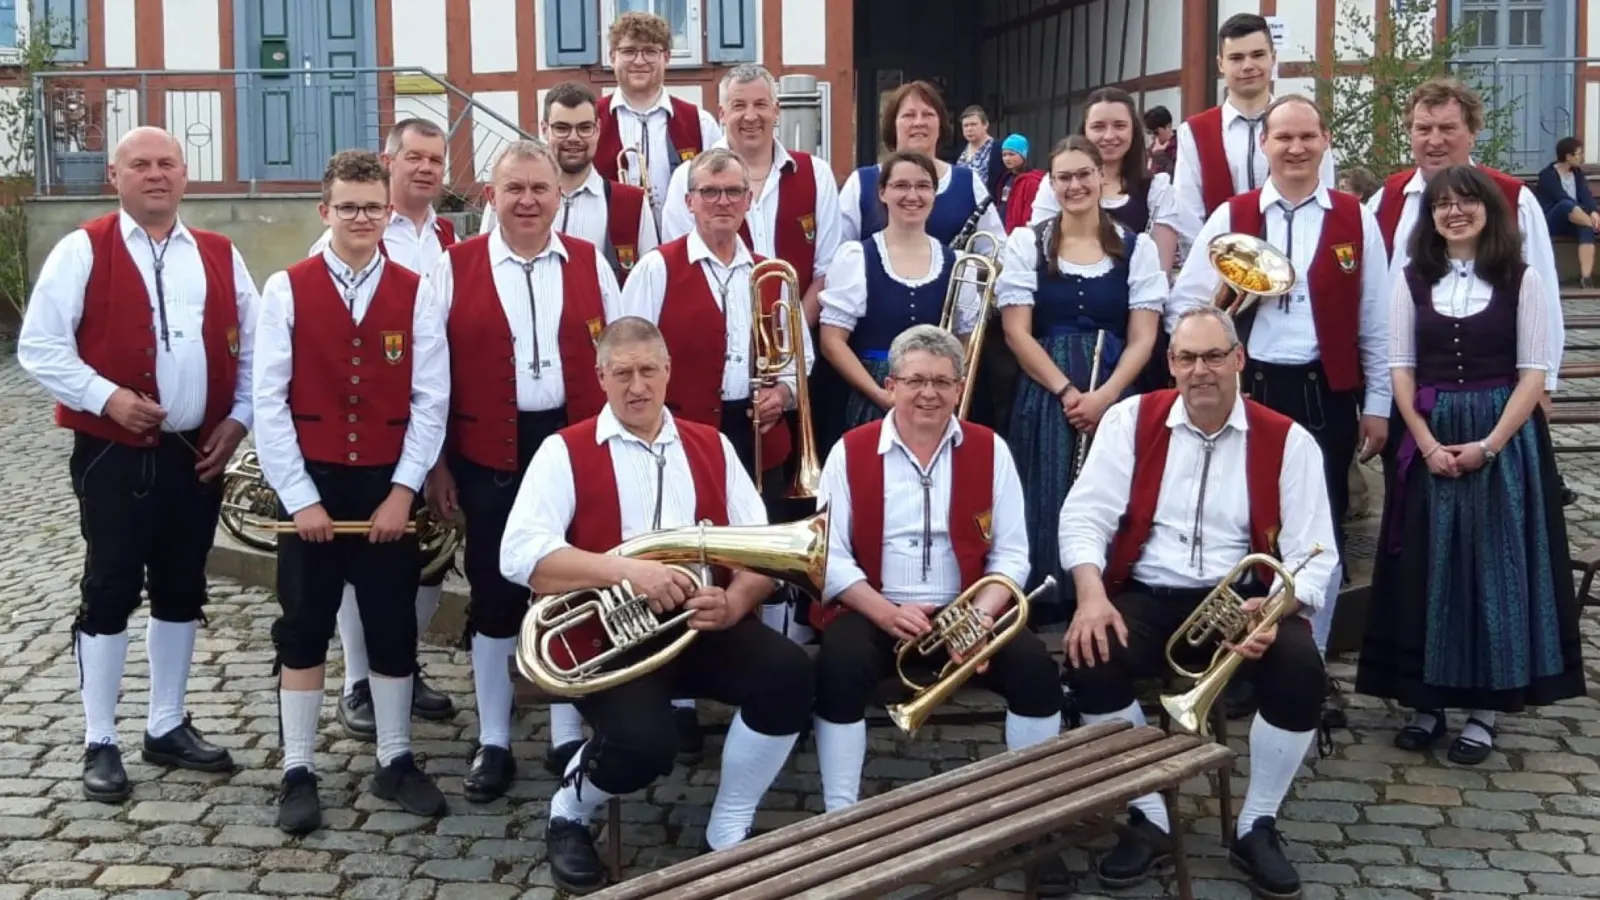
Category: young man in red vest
<point>545,298</point>
<point>352,384</point>
<point>659,131</point>
<point>634,469</point>
<point>922,507</point>
<point>1154,523</point>
<point>140,328</point>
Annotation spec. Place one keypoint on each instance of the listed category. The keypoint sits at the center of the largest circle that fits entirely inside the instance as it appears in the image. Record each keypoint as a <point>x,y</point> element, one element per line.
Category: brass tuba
<point>1250,268</point>
<point>621,620</point>
<point>1219,617</point>
<point>959,629</point>
<point>777,338</point>
<point>988,271</point>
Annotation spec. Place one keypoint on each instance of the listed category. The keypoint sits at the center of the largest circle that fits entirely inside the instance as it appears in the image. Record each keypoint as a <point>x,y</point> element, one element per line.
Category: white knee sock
<point>1153,807</point>
<point>1275,757</point>
<point>491,676</point>
<point>750,762</point>
<point>353,639</point>
<point>170,647</point>
<point>841,752</point>
<point>1025,731</point>
<point>101,657</point>
<point>776,616</point>
<point>298,711</point>
<point>577,800</point>
<point>427,604</point>
<point>1322,619</point>
<point>1470,731</point>
<point>391,712</point>
<point>684,704</point>
<point>566,724</point>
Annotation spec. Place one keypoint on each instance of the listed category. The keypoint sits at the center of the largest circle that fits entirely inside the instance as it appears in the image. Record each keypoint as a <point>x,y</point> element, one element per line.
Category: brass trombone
<point>1251,269</point>
<point>988,270</point>
<point>1080,451</point>
<point>1220,617</point>
<point>777,338</point>
<point>996,245</point>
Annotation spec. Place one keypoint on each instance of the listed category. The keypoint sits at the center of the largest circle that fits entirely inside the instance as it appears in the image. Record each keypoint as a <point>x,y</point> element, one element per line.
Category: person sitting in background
<point>1163,150</point>
<point>1360,181</point>
<point>1013,185</point>
<point>1569,205</point>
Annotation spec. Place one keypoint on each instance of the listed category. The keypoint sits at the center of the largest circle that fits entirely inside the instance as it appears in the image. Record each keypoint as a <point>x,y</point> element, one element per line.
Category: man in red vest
<point>634,469</point>
<point>1153,524</point>
<point>612,216</point>
<point>352,385</point>
<point>659,131</point>
<point>524,308</point>
<point>1219,152</point>
<point>922,507</point>
<point>140,328</point>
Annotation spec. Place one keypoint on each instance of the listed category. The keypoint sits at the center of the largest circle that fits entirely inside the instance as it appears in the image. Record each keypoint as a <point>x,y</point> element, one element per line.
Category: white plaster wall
<point>494,36</point>
<point>419,36</point>
<point>121,34</point>
<point>1591,139</point>
<point>1171,98</point>
<point>1164,53</point>
<point>194,118</point>
<point>192,37</point>
<point>805,32</point>
<point>1300,20</point>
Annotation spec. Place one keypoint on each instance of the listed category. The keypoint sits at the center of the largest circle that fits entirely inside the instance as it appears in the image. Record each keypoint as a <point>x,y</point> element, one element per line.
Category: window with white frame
<point>683,18</point>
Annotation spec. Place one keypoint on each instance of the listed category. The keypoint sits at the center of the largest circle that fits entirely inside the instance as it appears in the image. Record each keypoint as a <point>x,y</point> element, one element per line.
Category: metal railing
<point>254,127</point>
<point>1547,95</point>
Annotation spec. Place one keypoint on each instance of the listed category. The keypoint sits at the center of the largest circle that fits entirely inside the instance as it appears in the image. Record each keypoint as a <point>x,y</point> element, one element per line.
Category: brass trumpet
<point>959,629</point>
<point>642,171</point>
<point>1219,617</point>
<point>777,338</point>
<point>988,270</point>
<point>1250,268</point>
<point>1080,452</point>
<point>619,619</point>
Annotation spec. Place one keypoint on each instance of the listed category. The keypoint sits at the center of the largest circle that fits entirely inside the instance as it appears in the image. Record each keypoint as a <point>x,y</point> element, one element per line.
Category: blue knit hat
<point>1017,144</point>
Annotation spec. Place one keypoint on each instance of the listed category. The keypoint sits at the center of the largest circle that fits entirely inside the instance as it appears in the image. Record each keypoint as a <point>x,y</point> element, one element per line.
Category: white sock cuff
<point>1025,731</point>
<point>1134,713</point>
<point>391,712</point>
<point>566,724</point>
<point>683,704</point>
<point>492,679</point>
<point>101,661</point>
<point>299,712</point>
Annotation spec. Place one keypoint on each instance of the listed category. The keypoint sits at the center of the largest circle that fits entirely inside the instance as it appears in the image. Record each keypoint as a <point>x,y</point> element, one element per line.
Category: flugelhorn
<point>1250,268</point>
<point>568,640</point>
<point>1220,617</point>
<point>777,338</point>
<point>959,629</point>
<point>950,316</point>
<point>1080,450</point>
<point>642,170</point>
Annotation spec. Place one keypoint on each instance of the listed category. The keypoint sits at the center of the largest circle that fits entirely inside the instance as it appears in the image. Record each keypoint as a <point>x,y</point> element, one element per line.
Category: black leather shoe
<point>1239,698</point>
<point>556,758</point>
<point>184,748</point>
<point>427,703</point>
<point>1134,857</point>
<point>1417,739</point>
<point>1467,752</point>
<point>490,776</point>
<point>1259,854</point>
<point>1051,878</point>
<point>104,779</point>
<point>1333,707</point>
<point>574,863</point>
<point>299,807</point>
<point>407,785</point>
<point>355,712</point>
<point>691,742</point>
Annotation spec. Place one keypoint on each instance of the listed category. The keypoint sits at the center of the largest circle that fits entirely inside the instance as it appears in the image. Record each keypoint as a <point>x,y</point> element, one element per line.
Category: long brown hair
<point>1135,167</point>
<point>1110,238</point>
<point>1499,254</point>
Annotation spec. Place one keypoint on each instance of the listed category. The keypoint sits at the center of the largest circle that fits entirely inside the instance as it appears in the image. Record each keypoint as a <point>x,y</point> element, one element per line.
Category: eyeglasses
<point>1464,204</point>
<point>1212,358</point>
<point>1066,178</point>
<point>916,383</point>
<point>648,54</point>
<point>908,187</point>
<point>713,194</point>
<point>566,129</point>
<point>371,211</point>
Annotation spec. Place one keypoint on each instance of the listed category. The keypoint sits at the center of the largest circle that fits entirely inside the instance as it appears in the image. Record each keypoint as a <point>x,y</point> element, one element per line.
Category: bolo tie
<point>537,364</point>
<point>1288,236</point>
<point>350,290</point>
<point>158,265</point>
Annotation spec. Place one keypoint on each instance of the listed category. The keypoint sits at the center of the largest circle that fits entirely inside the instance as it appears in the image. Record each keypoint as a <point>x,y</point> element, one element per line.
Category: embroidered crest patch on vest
<point>233,342</point>
<point>685,155</point>
<point>394,346</point>
<point>595,327</point>
<point>1346,255</point>
<point>808,227</point>
<point>626,256</point>
<point>985,523</point>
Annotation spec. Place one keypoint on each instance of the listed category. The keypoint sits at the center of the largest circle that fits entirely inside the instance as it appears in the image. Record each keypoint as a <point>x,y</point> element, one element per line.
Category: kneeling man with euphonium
<point>634,470</point>
<point>1152,526</point>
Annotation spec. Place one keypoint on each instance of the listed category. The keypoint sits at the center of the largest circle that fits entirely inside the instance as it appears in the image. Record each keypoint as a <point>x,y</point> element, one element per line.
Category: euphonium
<point>950,316</point>
<point>1250,269</point>
<point>777,338</point>
<point>1219,617</point>
<point>567,664</point>
<point>1080,451</point>
<point>958,629</point>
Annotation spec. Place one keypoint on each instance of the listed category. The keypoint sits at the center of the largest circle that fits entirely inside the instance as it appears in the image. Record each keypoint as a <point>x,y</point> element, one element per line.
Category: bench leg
<point>1180,861</point>
<point>1219,727</point>
<point>614,838</point>
<point>1583,590</point>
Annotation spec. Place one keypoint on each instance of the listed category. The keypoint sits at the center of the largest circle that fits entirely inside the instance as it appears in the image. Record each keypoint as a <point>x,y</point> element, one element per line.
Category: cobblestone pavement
<point>1369,823</point>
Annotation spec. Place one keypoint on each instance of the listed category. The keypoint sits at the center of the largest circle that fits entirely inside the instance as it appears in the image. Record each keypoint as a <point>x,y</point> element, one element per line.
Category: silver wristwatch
<point>1488,454</point>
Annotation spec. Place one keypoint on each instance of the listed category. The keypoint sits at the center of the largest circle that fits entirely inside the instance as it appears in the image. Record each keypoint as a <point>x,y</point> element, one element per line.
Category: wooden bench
<point>1043,798</point>
<point>1580,370</point>
<point>1586,322</point>
<point>1587,563</point>
<point>1581,412</point>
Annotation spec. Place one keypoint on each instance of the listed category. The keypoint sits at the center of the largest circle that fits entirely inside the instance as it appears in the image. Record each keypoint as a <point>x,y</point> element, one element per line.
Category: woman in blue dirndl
<point>1472,599</point>
<point>1063,283</point>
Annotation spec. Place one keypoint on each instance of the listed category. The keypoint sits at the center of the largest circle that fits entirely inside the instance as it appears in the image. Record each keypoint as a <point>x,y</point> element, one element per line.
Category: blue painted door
<point>1518,46</point>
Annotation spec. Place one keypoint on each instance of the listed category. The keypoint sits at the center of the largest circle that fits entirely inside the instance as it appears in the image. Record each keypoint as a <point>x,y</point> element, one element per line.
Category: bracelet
<point>1436,449</point>
<point>1064,388</point>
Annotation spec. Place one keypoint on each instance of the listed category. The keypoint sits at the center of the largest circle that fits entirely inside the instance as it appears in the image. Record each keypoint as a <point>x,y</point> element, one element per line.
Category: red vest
<point>624,215</point>
<point>971,505</point>
<point>483,395</point>
<point>1334,281</point>
<point>1267,434</point>
<point>683,130</point>
<point>117,334</point>
<point>1211,155</point>
<point>597,523</point>
<point>1393,204</point>
<point>796,224</point>
<point>696,333</point>
<point>350,392</point>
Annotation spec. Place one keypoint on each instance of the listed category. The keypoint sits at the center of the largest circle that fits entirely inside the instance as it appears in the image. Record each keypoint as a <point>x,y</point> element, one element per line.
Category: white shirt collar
<point>429,222</point>
<point>500,251</point>
<point>608,426</point>
<point>1231,112</point>
<point>1270,196</point>
<point>130,228</point>
<point>890,435</point>
<point>1417,182</point>
<point>662,102</point>
<point>1236,417</point>
<point>594,184</point>
<point>342,269</point>
<point>781,159</point>
<point>698,251</point>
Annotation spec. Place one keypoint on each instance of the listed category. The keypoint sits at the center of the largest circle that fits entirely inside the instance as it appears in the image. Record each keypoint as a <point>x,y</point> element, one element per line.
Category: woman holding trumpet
<point>1080,301</point>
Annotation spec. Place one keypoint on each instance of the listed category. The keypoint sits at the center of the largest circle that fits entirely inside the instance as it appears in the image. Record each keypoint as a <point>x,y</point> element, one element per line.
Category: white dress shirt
<point>547,500</point>
<point>47,346</point>
<point>912,573</point>
<point>1239,145</point>
<point>418,249</point>
<point>646,293</point>
<point>1290,337</point>
<point>1537,252</point>
<point>1159,200</point>
<point>543,387</point>
<point>277,441</point>
<point>850,204</point>
<point>1459,294</point>
<point>845,299</point>
<point>1019,272</point>
<point>677,221</point>
<point>584,214</point>
<point>1099,497</point>
<point>654,120</point>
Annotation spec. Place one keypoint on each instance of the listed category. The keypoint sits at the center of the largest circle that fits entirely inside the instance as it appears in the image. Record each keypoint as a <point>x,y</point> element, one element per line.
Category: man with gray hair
<point>922,507</point>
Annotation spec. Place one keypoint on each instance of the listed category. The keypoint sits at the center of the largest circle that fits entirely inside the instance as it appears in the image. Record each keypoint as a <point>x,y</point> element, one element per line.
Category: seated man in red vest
<point>922,507</point>
<point>352,384</point>
<point>140,328</point>
<point>644,469</point>
<point>547,297</point>
<point>1153,524</point>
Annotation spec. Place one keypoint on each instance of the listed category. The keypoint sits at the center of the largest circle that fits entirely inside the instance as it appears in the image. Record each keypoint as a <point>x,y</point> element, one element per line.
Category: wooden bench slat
<point>1581,412</point>
<point>1581,322</point>
<point>1025,816</point>
<point>1580,370</point>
